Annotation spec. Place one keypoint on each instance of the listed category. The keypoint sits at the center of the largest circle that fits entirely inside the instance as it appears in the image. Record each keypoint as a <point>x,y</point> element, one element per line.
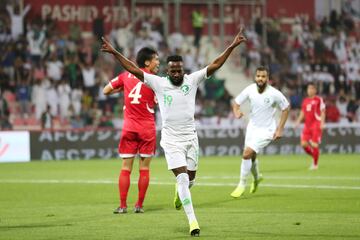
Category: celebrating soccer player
<point>176,94</point>
<point>139,132</point>
<point>313,111</point>
<point>261,130</point>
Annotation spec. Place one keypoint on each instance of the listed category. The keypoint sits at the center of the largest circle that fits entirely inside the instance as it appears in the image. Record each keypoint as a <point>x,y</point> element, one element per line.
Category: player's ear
<point>147,63</point>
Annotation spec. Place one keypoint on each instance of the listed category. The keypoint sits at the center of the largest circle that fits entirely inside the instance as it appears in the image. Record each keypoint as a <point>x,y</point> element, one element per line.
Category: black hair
<point>144,54</point>
<point>263,68</point>
<point>311,84</point>
<point>174,58</point>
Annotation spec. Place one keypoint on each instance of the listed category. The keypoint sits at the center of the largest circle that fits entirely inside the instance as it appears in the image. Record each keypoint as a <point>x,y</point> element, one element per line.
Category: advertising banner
<point>102,144</point>
<point>14,146</point>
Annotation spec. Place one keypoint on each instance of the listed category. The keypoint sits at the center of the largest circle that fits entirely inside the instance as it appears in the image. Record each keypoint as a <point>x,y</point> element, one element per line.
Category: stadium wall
<point>102,144</point>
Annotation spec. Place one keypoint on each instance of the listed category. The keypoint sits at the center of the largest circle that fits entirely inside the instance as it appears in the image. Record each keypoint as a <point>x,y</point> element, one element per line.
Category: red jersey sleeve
<point>118,82</point>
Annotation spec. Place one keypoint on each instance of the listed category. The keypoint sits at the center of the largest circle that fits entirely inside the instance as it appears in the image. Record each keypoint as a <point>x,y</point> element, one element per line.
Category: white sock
<point>244,171</point>
<point>255,168</point>
<point>185,196</point>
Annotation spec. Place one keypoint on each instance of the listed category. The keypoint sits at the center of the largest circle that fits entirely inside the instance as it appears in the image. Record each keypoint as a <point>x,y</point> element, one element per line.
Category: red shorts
<point>132,143</point>
<point>312,134</point>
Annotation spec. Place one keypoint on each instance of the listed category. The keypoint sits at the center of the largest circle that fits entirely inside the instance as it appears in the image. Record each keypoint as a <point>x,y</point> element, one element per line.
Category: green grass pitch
<point>75,200</point>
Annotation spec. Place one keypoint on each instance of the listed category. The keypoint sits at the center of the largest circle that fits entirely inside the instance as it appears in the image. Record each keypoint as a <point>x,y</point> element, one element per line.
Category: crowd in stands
<point>54,80</point>
<point>326,53</point>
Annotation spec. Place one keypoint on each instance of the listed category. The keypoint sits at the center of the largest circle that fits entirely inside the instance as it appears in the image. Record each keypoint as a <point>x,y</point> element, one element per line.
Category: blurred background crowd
<point>51,79</point>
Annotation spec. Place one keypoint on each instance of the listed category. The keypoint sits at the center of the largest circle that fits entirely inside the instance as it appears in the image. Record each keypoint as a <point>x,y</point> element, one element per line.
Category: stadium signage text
<point>102,144</point>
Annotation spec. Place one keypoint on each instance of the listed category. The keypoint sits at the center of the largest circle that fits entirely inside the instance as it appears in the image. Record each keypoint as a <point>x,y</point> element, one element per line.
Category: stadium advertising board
<point>102,144</point>
<point>14,146</point>
<point>85,12</point>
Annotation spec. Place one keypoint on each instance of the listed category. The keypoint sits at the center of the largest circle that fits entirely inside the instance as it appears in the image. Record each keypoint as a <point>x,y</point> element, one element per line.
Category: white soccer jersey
<point>262,106</point>
<point>177,104</point>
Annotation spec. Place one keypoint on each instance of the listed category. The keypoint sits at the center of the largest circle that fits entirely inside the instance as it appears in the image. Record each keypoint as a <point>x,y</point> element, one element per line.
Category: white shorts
<point>258,138</point>
<point>180,154</point>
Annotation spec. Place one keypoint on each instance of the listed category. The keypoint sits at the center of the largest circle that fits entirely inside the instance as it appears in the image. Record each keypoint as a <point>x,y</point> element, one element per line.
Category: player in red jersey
<point>138,133</point>
<point>313,111</point>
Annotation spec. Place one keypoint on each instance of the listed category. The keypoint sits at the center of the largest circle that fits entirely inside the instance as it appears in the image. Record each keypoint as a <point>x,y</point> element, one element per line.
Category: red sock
<point>308,150</point>
<point>143,184</point>
<point>124,184</point>
<point>316,156</point>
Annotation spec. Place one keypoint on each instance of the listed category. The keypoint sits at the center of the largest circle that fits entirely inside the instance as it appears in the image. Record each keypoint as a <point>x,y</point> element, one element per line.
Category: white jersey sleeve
<point>281,100</point>
<point>243,96</point>
<point>153,81</point>
<point>199,76</point>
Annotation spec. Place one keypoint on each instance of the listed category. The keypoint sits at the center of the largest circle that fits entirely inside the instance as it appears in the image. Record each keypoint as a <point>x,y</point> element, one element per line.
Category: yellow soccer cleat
<point>238,192</point>
<point>177,201</point>
<point>255,184</point>
<point>194,229</point>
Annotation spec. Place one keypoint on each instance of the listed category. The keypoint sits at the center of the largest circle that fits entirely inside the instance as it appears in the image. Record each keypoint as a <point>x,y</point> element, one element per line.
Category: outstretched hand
<point>106,46</point>
<point>240,37</point>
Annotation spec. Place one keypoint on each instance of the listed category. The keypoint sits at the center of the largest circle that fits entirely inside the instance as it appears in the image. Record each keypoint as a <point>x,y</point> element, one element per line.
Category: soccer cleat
<point>138,209</point>
<point>177,201</point>
<point>120,210</point>
<point>238,192</point>
<point>313,167</point>
<point>194,229</point>
<point>255,184</point>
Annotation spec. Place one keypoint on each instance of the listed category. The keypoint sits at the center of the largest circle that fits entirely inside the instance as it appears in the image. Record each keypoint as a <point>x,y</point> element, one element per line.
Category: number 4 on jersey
<point>135,93</point>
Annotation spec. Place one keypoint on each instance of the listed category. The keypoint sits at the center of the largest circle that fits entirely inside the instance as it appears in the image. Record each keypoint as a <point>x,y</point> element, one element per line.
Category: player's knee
<point>183,178</point>
<point>304,144</point>
<point>247,155</point>
<point>314,145</point>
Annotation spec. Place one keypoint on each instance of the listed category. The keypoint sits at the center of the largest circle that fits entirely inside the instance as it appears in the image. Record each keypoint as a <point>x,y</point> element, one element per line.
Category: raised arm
<point>108,90</point>
<point>220,60</point>
<point>125,63</point>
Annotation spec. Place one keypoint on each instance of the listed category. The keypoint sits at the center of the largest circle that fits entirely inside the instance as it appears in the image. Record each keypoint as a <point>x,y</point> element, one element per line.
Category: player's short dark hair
<point>143,55</point>
<point>311,84</point>
<point>263,68</point>
<point>174,58</point>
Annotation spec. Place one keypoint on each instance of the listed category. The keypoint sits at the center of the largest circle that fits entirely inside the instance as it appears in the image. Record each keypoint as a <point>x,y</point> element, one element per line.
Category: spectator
<point>23,97</point>
<point>47,119</point>
<point>89,79</point>
<point>54,68</point>
<point>4,114</point>
<point>341,104</point>
<point>332,112</point>
<point>36,40</point>
<point>52,99</point>
<point>352,108</point>
<point>64,92</point>
<point>38,96</point>
<point>17,16</point>
<point>197,23</point>
<point>76,96</point>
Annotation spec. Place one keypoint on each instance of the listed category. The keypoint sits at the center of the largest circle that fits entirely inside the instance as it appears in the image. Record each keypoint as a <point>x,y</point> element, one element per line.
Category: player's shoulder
<point>319,98</point>
<point>275,91</point>
<point>252,87</point>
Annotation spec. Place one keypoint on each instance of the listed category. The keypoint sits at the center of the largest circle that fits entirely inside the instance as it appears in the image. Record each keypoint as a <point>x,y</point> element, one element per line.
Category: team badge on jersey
<point>185,89</point>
